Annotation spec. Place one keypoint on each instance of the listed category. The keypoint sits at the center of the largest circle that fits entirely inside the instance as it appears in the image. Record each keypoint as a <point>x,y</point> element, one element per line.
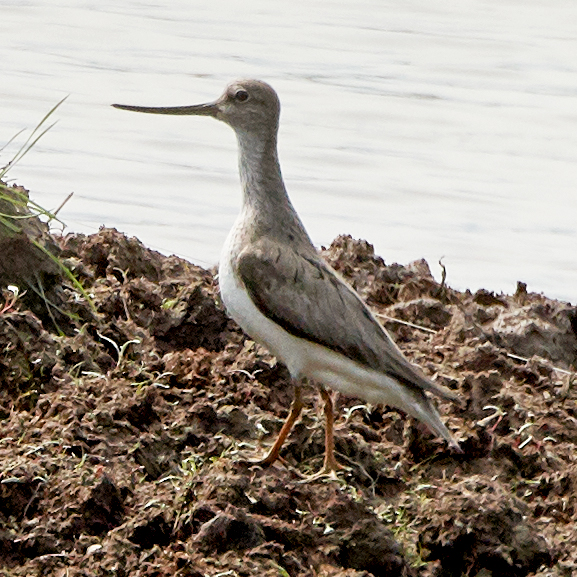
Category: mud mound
<point>126,439</point>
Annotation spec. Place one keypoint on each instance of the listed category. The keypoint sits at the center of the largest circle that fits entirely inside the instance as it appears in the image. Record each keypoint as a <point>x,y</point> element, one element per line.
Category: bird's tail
<point>424,410</point>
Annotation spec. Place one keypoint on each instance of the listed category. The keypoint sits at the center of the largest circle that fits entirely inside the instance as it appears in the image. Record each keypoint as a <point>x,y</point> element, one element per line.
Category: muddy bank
<point>127,430</point>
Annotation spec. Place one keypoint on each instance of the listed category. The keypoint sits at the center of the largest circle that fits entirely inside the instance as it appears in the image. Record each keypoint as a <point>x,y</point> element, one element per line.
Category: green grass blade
<point>31,140</point>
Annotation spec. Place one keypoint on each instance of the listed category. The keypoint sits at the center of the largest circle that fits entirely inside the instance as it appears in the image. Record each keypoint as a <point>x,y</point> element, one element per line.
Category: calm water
<point>432,129</point>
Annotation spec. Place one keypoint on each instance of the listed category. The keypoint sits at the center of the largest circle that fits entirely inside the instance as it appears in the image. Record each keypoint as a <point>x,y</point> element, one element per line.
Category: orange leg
<point>295,411</point>
<point>330,464</point>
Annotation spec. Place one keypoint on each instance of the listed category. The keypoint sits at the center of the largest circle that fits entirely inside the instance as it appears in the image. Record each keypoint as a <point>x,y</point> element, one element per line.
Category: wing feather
<point>307,298</point>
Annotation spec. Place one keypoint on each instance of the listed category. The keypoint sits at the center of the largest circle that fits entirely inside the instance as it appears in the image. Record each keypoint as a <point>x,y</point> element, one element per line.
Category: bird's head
<point>245,105</point>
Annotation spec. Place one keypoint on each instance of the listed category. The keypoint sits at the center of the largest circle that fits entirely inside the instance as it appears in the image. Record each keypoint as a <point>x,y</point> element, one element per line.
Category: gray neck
<point>266,206</point>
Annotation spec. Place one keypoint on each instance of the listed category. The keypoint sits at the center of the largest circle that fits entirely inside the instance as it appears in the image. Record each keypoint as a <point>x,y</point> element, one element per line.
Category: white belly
<point>242,309</point>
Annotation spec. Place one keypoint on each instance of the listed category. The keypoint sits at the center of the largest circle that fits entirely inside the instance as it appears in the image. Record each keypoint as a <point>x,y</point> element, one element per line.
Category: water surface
<point>430,129</point>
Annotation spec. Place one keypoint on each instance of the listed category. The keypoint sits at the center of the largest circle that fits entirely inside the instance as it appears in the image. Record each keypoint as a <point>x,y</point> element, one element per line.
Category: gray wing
<point>309,300</point>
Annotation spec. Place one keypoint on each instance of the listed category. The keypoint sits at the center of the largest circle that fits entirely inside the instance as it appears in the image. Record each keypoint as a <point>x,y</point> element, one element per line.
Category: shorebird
<point>280,291</point>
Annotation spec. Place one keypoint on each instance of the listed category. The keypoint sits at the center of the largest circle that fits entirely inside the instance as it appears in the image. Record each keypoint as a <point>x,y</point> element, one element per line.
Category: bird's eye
<point>241,95</point>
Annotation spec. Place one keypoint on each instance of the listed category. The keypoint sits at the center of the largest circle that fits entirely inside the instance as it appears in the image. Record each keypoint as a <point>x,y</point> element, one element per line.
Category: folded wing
<point>306,297</point>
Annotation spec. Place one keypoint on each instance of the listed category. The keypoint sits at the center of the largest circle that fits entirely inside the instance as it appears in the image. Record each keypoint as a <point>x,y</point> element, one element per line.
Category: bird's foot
<point>264,462</point>
<point>329,471</point>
